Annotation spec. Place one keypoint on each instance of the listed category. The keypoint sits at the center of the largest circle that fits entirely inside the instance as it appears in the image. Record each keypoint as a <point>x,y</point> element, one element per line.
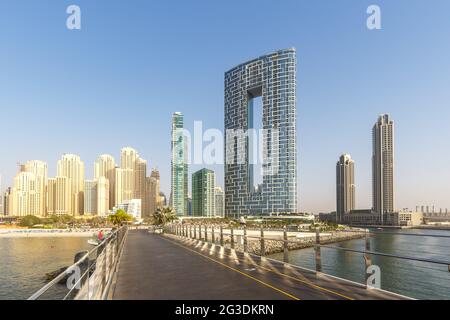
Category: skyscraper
<point>96,197</point>
<point>126,175</point>
<point>179,167</point>
<point>105,166</point>
<point>345,186</point>
<point>59,196</point>
<point>141,174</point>
<point>152,190</point>
<point>103,193</point>
<point>270,79</point>
<point>90,197</point>
<point>219,202</point>
<point>383,166</point>
<point>25,195</point>
<point>40,171</point>
<point>71,167</point>
<point>203,200</point>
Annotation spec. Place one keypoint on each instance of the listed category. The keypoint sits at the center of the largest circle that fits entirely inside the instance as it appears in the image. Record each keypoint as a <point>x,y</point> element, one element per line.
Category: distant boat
<point>93,242</point>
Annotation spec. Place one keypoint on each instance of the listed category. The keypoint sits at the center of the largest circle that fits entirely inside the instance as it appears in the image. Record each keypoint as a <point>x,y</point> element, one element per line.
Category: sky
<point>117,81</point>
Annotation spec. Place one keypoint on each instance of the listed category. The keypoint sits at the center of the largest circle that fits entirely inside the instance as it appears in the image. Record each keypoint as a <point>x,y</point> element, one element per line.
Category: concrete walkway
<point>171,268</point>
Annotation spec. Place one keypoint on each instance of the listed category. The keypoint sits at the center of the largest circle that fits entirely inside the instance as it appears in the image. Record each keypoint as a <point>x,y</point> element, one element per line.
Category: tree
<point>29,221</point>
<point>162,216</point>
<point>120,217</point>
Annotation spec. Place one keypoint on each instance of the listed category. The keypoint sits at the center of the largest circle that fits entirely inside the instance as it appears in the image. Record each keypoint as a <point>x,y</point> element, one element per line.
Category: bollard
<point>221,236</point>
<point>232,238</point>
<point>263,247</point>
<point>285,246</point>
<point>317,250</point>
<point>245,238</point>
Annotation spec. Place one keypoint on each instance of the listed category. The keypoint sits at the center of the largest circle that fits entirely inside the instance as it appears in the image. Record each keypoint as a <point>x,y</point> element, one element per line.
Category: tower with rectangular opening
<point>260,137</point>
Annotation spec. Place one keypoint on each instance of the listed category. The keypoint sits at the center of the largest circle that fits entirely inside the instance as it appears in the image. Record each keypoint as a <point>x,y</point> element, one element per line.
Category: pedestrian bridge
<point>170,267</point>
<point>194,262</point>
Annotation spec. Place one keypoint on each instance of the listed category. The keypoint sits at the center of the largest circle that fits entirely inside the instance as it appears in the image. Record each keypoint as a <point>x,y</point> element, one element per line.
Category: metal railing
<point>90,277</point>
<point>210,234</point>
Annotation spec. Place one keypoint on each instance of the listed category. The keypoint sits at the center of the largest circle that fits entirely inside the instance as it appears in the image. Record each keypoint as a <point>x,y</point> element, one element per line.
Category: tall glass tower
<point>383,166</point>
<point>179,172</point>
<point>271,80</point>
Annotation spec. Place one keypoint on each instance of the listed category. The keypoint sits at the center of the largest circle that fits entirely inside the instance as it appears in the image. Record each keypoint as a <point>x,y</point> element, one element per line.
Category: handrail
<point>59,277</point>
<point>318,245</point>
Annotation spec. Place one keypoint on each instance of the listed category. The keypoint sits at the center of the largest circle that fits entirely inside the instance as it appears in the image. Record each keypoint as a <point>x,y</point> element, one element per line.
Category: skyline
<point>374,71</point>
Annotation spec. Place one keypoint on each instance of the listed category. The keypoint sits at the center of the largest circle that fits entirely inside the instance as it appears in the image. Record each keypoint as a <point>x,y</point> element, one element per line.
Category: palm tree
<point>164,215</point>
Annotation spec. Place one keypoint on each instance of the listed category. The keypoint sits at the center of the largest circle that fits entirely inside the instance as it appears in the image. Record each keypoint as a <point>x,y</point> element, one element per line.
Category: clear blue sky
<point>117,81</point>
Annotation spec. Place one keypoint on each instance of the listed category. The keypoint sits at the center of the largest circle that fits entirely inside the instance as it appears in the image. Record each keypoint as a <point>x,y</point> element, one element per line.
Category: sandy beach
<point>35,233</point>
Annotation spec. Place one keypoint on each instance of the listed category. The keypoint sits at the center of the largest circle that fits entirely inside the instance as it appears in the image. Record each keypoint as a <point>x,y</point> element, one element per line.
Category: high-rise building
<point>271,80</point>
<point>179,166</point>
<point>203,200</point>
<point>105,166</point>
<point>130,177</point>
<point>59,196</point>
<point>25,195</point>
<point>71,167</point>
<point>383,166</point>
<point>96,197</point>
<point>90,197</point>
<point>219,199</point>
<point>162,199</point>
<point>7,202</point>
<point>40,171</point>
<point>28,195</point>
<point>152,192</point>
<point>141,174</point>
<point>103,194</point>
<point>345,186</point>
<point>126,175</point>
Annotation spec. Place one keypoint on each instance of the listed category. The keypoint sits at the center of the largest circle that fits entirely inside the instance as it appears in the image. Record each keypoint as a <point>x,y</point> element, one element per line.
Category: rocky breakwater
<point>275,244</point>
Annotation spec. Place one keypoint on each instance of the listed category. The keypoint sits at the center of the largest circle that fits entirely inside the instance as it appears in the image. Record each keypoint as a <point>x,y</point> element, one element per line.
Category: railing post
<point>190,231</point>
<point>263,247</point>
<point>245,238</point>
<point>200,232</point>
<point>221,236</point>
<point>317,250</point>
<point>213,238</point>
<point>367,257</point>
<point>285,246</point>
<point>195,232</point>
<point>232,237</point>
<point>206,233</point>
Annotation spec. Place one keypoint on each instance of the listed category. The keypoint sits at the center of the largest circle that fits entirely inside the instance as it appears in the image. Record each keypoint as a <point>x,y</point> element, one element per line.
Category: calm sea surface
<point>415,279</point>
<point>25,261</point>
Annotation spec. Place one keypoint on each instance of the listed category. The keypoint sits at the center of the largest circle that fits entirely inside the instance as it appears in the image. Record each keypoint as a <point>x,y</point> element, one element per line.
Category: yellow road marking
<point>300,280</point>
<point>236,270</point>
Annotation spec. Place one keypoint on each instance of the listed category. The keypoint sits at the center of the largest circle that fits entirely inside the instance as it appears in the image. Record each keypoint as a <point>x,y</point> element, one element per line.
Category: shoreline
<point>47,233</point>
